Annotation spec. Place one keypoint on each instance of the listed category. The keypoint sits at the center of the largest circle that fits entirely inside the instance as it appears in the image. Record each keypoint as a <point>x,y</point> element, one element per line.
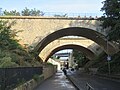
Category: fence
<point>11,77</point>
<point>89,87</point>
<point>63,14</point>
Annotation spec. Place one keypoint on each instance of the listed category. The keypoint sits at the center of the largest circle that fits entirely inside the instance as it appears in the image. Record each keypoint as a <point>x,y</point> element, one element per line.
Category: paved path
<point>80,79</point>
<point>57,82</point>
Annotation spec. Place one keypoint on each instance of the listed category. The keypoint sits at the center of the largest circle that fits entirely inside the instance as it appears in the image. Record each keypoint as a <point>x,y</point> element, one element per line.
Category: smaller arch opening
<point>88,53</point>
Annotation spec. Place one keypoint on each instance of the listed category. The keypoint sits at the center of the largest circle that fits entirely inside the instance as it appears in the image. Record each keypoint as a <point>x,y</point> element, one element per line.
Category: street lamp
<point>108,58</point>
<point>107,51</point>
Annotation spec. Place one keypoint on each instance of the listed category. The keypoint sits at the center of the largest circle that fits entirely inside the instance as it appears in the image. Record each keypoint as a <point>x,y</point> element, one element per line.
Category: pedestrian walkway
<point>80,79</point>
<point>57,82</point>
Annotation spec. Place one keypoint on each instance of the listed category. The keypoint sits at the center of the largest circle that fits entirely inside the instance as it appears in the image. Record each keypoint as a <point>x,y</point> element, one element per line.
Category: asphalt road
<point>57,82</point>
<point>80,79</point>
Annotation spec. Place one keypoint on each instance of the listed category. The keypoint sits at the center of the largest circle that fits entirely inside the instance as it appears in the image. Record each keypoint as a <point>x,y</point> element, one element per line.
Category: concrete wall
<point>55,62</point>
<point>49,71</point>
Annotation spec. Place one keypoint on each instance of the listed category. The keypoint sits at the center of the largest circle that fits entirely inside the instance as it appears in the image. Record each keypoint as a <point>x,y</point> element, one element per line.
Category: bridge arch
<point>77,31</point>
<point>88,53</point>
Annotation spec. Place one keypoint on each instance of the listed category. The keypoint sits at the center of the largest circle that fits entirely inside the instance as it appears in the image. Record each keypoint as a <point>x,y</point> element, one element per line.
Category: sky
<point>64,6</point>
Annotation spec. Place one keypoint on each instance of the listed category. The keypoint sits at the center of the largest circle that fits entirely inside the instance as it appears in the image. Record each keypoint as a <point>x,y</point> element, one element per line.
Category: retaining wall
<point>30,85</point>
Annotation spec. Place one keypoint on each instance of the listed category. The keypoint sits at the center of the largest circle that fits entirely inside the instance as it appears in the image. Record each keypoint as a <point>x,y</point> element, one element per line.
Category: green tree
<point>26,12</point>
<point>35,12</point>
<point>6,62</point>
<point>12,53</point>
<point>80,58</point>
<point>11,13</point>
<point>32,12</point>
<point>7,36</point>
<point>111,18</point>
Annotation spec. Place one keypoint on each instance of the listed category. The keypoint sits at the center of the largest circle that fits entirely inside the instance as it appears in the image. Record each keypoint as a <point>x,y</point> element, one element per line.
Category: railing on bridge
<point>65,14</point>
<point>62,14</point>
<point>89,87</point>
<point>11,77</point>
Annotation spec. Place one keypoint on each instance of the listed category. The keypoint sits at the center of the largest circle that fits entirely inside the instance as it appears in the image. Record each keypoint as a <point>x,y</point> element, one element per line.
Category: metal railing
<point>11,77</point>
<point>89,87</point>
<point>65,14</point>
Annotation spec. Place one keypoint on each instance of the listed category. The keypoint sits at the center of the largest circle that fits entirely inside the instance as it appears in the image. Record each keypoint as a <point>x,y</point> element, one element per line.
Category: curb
<point>72,82</point>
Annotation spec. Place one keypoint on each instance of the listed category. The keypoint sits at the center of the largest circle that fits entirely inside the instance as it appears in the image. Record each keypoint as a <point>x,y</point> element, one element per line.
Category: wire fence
<point>89,87</point>
<point>11,77</point>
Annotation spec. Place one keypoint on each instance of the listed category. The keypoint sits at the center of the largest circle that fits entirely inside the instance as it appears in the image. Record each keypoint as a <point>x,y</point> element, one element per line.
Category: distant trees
<point>111,18</point>
<point>24,12</point>
<point>32,12</point>
<point>80,58</point>
<point>11,13</point>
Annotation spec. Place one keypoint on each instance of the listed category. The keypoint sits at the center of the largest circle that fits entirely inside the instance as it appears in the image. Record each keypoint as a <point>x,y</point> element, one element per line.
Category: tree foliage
<point>11,13</point>
<point>111,18</point>
<point>12,53</point>
<point>32,12</point>
<point>6,62</point>
<point>7,36</point>
<point>80,58</point>
<point>24,12</point>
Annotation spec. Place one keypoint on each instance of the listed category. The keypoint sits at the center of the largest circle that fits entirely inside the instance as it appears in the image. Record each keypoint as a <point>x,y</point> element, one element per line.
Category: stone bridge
<point>39,32</point>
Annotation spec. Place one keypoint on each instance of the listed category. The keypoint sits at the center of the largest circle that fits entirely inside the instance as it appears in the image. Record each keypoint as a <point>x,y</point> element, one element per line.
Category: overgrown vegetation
<point>12,54</point>
<point>111,19</point>
<point>79,58</point>
<point>38,78</point>
<point>111,23</point>
<point>24,12</point>
<point>99,61</point>
<point>29,12</point>
<point>102,64</point>
<point>114,65</point>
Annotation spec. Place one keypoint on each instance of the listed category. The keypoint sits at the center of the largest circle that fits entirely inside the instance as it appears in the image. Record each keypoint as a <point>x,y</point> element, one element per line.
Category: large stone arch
<point>88,53</point>
<point>78,31</point>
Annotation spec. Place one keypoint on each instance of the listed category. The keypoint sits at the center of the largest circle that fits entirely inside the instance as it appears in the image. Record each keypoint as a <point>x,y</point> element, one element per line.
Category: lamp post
<point>108,58</point>
<point>107,52</point>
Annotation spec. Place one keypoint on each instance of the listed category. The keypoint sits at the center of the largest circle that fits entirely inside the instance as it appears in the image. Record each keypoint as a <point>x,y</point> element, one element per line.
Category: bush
<point>114,65</point>
<point>6,62</point>
<point>38,78</point>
